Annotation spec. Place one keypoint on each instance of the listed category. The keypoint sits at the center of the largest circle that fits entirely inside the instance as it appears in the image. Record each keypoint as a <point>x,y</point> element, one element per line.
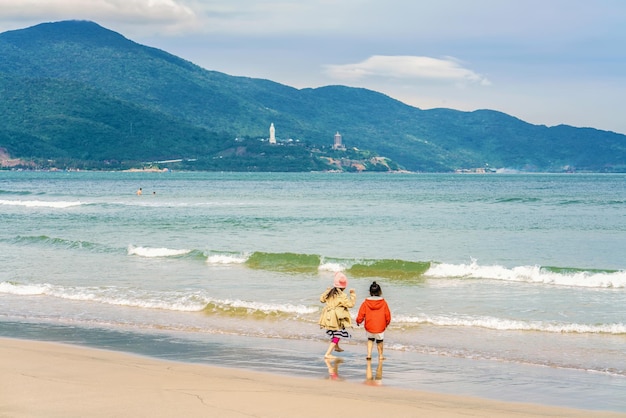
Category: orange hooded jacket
<point>374,311</point>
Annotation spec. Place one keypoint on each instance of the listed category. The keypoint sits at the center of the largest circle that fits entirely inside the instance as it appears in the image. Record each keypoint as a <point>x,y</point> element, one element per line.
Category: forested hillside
<point>75,90</point>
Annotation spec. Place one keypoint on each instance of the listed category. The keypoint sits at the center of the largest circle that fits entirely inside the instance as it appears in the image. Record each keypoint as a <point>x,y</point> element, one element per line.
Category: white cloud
<point>162,13</point>
<point>448,70</point>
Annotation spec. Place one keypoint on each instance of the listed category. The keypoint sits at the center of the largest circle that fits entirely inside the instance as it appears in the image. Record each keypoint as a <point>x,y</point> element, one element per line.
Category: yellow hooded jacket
<point>335,315</point>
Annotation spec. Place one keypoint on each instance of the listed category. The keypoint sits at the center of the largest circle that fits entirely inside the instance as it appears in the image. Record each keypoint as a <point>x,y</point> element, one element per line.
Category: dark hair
<point>333,292</point>
<point>375,289</point>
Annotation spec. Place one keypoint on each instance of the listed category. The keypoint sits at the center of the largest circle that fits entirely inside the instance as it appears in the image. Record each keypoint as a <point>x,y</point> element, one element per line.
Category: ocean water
<point>509,287</point>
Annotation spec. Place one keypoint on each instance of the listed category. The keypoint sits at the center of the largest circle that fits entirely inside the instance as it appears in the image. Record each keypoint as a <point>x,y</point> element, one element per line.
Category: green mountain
<point>75,91</point>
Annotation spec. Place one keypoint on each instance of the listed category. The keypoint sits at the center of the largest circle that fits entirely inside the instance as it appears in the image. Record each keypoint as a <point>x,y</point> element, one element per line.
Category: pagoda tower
<point>337,144</point>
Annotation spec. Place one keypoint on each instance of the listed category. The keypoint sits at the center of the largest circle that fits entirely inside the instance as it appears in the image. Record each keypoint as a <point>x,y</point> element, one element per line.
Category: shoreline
<point>57,380</point>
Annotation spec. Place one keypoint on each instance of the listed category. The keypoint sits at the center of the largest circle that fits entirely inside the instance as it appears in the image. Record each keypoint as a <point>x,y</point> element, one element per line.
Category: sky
<point>547,62</point>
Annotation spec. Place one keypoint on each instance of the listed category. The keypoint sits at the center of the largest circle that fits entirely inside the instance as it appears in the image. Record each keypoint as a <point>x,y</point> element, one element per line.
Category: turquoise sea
<point>503,286</point>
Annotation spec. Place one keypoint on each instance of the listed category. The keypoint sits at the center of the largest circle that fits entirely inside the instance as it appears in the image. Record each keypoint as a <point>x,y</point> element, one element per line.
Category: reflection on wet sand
<point>371,379</point>
<point>333,367</point>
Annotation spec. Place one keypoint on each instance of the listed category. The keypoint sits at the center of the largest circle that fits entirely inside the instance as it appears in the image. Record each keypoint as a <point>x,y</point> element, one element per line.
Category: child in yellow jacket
<point>335,316</point>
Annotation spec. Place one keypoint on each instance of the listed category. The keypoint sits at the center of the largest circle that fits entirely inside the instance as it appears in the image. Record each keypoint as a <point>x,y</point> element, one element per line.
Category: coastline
<point>53,380</point>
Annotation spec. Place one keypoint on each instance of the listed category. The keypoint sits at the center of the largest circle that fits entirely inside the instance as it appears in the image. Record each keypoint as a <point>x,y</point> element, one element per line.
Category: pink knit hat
<point>341,280</point>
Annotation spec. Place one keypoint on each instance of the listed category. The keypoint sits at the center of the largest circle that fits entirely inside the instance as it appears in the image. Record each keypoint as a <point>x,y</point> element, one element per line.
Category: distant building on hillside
<point>272,134</point>
<point>337,144</point>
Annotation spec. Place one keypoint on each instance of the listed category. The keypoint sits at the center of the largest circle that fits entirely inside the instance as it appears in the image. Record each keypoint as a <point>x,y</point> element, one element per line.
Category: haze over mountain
<point>74,90</point>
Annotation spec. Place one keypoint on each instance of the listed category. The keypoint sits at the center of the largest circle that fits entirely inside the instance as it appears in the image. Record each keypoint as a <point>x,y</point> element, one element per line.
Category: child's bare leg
<point>370,346</point>
<point>379,346</point>
<point>334,345</point>
<point>330,350</point>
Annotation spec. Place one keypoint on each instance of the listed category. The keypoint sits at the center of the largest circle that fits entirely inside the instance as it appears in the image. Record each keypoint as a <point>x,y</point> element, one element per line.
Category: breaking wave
<point>183,301</point>
<point>512,325</point>
<point>392,269</point>
<point>40,203</point>
<point>558,276</point>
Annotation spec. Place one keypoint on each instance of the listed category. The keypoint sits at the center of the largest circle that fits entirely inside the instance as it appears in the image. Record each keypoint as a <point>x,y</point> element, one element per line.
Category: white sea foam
<point>330,266</point>
<point>529,274</point>
<point>511,325</point>
<point>24,290</point>
<point>173,301</point>
<point>40,203</point>
<point>155,252</point>
<point>269,307</point>
<point>226,259</point>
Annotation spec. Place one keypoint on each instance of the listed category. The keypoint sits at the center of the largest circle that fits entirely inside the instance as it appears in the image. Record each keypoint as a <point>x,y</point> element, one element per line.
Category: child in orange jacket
<point>374,311</point>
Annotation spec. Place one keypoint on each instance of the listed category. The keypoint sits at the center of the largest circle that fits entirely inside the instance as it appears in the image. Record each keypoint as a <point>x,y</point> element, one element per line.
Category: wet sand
<point>41,379</point>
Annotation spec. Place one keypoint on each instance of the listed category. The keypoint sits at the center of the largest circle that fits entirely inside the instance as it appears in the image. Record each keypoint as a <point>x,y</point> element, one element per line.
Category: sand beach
<point>42,379</point>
